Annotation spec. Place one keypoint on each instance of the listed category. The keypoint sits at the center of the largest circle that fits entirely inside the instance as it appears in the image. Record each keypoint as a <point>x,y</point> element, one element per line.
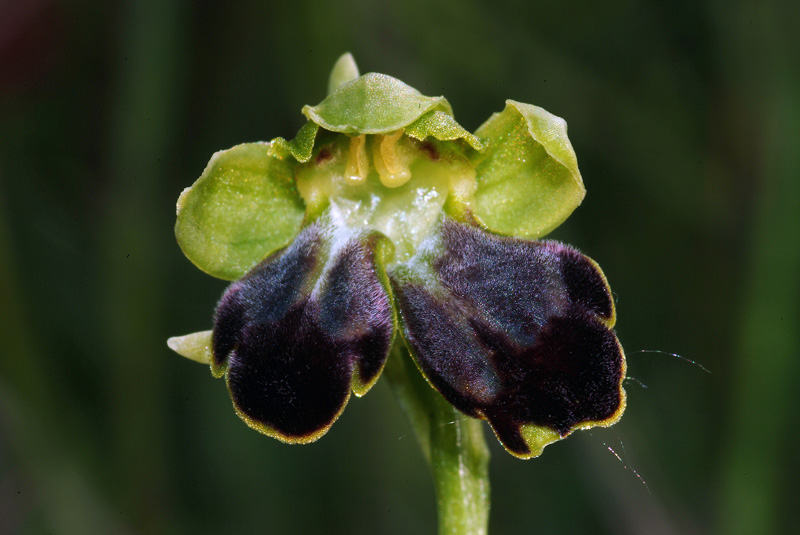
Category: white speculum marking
<point>399,191</point>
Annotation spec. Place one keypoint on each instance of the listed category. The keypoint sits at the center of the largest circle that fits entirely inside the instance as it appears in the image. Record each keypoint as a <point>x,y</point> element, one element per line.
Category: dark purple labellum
<point>307,326</point>
<point>514,331</point>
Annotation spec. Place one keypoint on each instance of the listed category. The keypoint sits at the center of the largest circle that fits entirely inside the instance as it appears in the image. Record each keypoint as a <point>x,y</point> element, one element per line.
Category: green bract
<point>384,221</point>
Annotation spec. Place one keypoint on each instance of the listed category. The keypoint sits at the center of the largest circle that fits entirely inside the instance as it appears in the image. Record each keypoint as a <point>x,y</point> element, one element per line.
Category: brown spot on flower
<point>429,149</point>
<point>324,155</point>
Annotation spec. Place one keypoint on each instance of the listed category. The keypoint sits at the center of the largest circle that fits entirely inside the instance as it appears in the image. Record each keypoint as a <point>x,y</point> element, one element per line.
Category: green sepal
<point>244,206</point>
<point>441,126</point>
<point>373,104</point>
<point>528,178</point>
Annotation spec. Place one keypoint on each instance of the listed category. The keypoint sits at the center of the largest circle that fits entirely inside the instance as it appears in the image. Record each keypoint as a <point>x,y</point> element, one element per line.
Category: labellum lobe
<point>303,329</point>
<point>517,332</point>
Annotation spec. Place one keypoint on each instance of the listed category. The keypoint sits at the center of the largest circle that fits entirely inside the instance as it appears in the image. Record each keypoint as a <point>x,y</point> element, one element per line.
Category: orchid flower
<point>385,224</point>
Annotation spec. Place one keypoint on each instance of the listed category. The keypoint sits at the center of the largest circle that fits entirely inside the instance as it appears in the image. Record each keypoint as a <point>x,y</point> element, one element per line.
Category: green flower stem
<point>453,445</point>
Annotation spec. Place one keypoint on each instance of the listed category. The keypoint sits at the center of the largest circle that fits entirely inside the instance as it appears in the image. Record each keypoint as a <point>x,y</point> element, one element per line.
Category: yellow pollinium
<point>392,167</point>
<point>391,163</point>
<point>357,162</point>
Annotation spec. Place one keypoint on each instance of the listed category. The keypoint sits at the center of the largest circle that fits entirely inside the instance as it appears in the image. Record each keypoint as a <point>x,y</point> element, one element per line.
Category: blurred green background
<point>686,120</point>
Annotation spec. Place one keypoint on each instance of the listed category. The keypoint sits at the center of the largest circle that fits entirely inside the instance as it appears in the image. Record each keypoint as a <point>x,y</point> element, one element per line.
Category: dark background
<point>685,117</point>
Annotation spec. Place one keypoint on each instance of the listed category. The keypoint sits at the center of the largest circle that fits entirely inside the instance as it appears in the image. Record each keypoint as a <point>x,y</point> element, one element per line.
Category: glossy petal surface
<point>517,332</point>
<point>302,330</point>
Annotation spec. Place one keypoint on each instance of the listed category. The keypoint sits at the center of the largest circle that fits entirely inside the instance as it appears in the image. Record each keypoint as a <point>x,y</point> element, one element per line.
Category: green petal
<point>243,207</point>
<point>528,178</point>
<point>373,104</point>
<point>441,126</point>
<point>301,147</point>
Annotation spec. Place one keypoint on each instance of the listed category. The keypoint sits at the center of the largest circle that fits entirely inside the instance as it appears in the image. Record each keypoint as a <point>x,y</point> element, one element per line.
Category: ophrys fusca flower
<point>385,222</point>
